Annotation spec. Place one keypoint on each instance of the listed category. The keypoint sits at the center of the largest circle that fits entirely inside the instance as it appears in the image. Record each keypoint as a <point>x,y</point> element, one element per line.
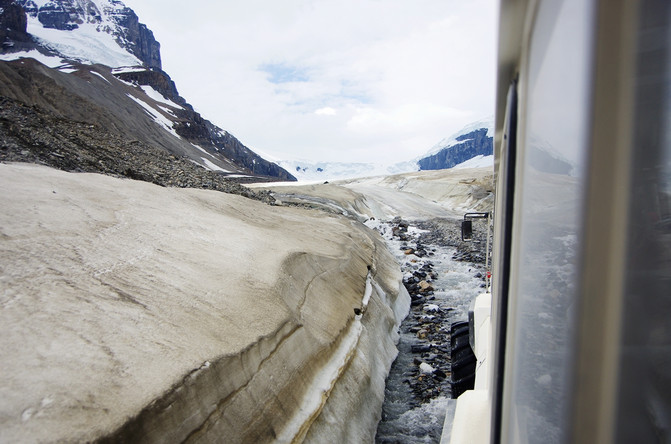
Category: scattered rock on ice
<point>426,368</point>
<point>425,287</point>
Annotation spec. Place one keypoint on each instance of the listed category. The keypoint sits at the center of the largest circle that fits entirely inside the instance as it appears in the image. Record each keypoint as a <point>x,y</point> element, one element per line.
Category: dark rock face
<point>232,148</point>
<point>194,128</point>
<point>64,16</point>
<point>473,144</point>
<point>13,22</point>
<point>137,38</point>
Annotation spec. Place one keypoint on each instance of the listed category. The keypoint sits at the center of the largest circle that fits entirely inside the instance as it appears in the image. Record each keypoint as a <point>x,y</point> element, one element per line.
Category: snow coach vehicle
<point>573,344</point>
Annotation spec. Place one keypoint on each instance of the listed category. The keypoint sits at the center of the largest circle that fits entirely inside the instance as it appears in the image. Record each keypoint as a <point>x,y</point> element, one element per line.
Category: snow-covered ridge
<point>450,141</point>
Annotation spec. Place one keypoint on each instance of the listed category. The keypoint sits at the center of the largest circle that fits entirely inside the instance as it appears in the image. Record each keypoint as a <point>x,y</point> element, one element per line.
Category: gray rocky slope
<point>140,104</point>
<point>28,134</point>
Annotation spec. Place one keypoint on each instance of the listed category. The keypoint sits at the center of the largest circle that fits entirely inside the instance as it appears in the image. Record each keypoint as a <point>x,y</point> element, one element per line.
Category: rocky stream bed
<point>443,275</point>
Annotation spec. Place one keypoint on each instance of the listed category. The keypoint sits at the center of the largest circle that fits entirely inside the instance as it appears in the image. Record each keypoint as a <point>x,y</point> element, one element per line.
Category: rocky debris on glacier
<point>27,134</point>
<point>447,232</point>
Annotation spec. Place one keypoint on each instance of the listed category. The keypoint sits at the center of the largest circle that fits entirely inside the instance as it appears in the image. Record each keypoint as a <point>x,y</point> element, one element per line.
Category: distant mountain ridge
<point>75,38</point>
<point>471,147</point>
<point>306,170</point>
<point>475,139</point>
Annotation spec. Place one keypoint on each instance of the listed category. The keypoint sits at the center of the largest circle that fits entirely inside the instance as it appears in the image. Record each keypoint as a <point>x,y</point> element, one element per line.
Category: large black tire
<point>462,359</point>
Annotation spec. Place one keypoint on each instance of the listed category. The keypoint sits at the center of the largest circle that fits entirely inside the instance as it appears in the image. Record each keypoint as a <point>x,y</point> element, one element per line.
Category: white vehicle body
<point>573,344</point>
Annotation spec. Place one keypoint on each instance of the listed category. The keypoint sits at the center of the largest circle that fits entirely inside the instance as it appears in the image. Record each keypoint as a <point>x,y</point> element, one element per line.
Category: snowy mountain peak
<point>457,137</point>
<point>66,15</point>
<point>472,146</point>
<point>135,99</point>
<point>91,31</point>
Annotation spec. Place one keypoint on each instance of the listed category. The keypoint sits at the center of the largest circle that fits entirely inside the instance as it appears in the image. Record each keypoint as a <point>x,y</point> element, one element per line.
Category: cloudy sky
<point>332,80</point>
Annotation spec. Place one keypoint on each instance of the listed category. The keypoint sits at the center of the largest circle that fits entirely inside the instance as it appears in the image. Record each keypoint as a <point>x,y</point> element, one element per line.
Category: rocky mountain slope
<point>28,134</point>
<point>85,45</point>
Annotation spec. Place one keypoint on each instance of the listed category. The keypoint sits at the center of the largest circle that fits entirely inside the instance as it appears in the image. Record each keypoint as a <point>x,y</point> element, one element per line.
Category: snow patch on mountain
<point>97,74</point>
<point>151,92</point>
<point>128,69</point>
<point>212,167</point>
<point>478,161</point>
<point>157,116</point>
<point>50,61</point>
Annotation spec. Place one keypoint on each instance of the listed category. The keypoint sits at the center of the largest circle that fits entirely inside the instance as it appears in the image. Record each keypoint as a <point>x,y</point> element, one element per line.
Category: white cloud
<point>326,111</point>
<point>394,77</point>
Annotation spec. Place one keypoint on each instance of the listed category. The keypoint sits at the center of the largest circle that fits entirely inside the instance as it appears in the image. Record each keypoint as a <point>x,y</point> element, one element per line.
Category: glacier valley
<point>136,312</point>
